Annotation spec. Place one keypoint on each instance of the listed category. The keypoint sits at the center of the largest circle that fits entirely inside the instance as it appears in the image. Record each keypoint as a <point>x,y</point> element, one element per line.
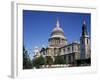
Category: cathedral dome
<point>57,31</point>
<point>57,38</point>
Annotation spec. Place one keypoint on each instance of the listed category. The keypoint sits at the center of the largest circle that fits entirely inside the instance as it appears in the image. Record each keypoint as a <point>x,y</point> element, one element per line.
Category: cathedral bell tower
<point>85,52</point>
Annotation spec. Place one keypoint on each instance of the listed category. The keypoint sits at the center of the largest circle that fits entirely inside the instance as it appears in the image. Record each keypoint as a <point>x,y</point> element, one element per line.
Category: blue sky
<point>37,26</point>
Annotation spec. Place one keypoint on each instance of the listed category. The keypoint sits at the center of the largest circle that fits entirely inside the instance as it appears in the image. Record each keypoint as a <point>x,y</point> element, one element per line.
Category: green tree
<point>49,60</point>
<point>38,61</point>
<point>27,63</point>
<point>59,60</point>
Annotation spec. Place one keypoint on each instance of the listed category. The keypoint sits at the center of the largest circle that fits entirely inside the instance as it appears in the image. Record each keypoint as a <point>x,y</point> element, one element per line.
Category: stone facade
<point>70,51</point>
<point>85,51</point>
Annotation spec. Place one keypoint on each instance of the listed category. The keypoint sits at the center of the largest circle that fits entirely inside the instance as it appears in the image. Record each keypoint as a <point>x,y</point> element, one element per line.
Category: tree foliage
<point>59,60</point>
<point>27,63</point>
<point>49,60</point>
<point>38,61</point>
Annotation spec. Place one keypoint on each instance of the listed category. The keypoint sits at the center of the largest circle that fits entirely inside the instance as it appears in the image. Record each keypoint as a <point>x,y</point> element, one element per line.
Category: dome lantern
<point>57,24</point>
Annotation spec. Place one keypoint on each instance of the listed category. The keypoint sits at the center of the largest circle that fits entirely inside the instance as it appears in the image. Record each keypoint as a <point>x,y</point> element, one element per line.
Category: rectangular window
<point>68,49</point>
<point>72,48</point>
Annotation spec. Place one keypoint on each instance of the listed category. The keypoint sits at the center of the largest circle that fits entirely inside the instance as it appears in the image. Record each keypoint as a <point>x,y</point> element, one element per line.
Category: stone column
<point>66,59</point>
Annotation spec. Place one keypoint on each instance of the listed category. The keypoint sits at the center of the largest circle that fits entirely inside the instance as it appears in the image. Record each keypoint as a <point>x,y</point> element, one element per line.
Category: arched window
<point>87,41</point>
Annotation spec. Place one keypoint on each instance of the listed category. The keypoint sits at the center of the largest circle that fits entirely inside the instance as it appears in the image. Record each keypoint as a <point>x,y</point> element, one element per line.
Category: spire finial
<point>57,24</point>
<point>84,30</point>
<point>84,21</point>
